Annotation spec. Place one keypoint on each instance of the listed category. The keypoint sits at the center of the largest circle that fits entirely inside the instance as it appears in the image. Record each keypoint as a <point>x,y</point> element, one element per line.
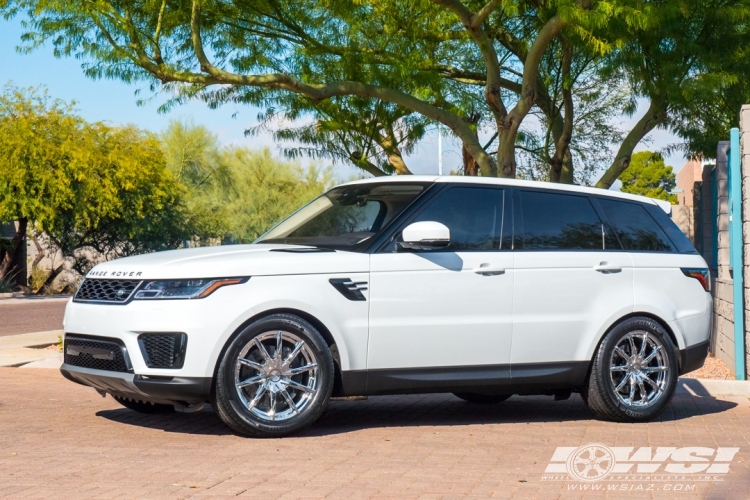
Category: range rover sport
<point>484,288</point>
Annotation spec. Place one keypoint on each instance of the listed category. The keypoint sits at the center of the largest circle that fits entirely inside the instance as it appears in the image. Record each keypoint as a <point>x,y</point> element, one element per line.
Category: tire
<point>617,388</point>
<point>144,406</point>
<point>260,393</point>
<point>482,399</point>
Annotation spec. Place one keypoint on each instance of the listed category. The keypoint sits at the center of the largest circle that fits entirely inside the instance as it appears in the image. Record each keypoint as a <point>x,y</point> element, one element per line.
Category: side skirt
<point>532,378</point>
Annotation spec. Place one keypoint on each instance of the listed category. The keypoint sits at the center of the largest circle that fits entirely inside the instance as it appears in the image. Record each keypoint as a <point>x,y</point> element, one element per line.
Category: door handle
<point>606,268</point>
<point>488,270</point>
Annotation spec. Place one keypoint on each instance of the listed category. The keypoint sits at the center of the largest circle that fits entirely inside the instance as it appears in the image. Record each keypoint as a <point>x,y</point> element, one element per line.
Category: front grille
<point>100,354</point>
<point>163,350</point>
<point>115,291</point>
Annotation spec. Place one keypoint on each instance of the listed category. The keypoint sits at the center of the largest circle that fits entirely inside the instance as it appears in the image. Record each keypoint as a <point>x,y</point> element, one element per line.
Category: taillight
<point>699,273</point>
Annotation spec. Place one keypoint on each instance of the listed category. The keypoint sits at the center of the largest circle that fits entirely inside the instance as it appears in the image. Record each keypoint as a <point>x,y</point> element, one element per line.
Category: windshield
<point>345,217</point>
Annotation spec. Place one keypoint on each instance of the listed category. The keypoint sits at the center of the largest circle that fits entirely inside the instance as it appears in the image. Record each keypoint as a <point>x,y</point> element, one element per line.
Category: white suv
<point>480,287</point>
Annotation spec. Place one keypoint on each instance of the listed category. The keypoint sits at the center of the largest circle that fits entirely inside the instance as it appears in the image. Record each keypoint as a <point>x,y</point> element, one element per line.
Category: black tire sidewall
<point>225,388</point>
<point>602,371</point>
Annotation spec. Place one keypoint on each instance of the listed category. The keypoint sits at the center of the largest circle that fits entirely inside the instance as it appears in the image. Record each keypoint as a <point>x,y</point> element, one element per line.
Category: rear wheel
<point>482,399</point>
<point>275,378</point>
<point>144,406</point>
<point>634,372</point>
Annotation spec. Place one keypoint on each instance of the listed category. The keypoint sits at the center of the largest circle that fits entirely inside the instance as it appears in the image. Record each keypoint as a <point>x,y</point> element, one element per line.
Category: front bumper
<point>155,389</point>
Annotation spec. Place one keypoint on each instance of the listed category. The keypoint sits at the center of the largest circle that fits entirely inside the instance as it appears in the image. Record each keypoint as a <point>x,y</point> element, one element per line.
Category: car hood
<point>232,260</point>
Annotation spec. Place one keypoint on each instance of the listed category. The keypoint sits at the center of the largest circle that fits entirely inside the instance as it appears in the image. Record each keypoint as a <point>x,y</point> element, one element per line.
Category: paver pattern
<point>61,440</point>
<point>29,315</point>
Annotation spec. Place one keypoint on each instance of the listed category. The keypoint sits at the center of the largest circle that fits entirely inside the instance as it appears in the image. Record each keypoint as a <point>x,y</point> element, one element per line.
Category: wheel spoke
<point>631,393</point>
<point>642,389</point>
<point>621,353</point>
<point>299,387</point>
<point>651,356</point>
<point>250,381</point>
<point>622,383</point>
<point>652,369</point>
<point>644,339</point>
<point>302,369</point>
<point>290,402</point>
<point>258,394</point>
<point>618,368</point>
<point>279,348</point>
<point>297,348</point>
<point>652,383</point>
<point>262,349</point>
<point>251,364</point>
<point>272,405</point>
<point>632,345</point>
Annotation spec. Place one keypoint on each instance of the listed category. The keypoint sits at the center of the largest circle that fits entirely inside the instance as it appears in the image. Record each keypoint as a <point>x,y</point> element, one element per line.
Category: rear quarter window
<point>637,227</point>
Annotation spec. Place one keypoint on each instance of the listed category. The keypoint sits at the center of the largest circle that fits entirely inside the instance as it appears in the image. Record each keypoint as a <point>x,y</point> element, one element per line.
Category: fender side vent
<point>349,289</point>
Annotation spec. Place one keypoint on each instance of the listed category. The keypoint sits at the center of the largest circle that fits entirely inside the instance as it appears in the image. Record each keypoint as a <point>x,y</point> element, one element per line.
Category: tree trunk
<point>389,144</point>
<point>471,168</point>
<point>54,273</point>
<point>6,266</point>
<point>656,114</point>
<point>562,142</point>
<point>506,152</point>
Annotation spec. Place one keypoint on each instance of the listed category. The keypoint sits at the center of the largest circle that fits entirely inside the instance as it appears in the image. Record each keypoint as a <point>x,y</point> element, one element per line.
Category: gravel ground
<point>713,368</point>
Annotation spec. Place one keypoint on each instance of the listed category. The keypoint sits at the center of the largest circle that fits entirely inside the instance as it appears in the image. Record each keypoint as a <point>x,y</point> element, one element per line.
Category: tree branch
<point>656,114</point>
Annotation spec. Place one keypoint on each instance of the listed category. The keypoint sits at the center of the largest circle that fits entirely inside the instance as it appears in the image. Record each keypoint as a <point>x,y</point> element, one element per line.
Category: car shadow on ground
<point>433,410</point>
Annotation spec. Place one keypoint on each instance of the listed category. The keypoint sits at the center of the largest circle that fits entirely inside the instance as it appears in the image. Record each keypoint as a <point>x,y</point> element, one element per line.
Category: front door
<point>445,316</point>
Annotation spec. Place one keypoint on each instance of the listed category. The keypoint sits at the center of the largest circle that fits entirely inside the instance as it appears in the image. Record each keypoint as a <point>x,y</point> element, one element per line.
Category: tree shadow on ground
<point>429,410</point>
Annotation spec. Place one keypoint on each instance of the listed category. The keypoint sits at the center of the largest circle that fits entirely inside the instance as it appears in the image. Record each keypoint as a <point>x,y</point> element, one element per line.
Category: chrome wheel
<point>639,369</point>
<point>276,375</point>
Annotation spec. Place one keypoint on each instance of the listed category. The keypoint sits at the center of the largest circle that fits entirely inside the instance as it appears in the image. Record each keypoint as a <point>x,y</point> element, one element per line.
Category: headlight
<point>184,289</point>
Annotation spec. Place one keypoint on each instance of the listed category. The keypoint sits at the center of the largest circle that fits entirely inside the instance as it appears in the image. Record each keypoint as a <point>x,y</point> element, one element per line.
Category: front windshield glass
<point>344,217</point>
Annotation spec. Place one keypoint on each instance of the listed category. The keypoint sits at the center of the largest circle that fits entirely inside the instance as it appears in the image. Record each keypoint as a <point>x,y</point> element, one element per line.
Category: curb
<point>704,387</point>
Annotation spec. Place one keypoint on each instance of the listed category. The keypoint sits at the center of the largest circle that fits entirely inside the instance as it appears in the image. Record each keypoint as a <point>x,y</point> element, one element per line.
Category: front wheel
<point>275,378</point>
<point>634,372</point>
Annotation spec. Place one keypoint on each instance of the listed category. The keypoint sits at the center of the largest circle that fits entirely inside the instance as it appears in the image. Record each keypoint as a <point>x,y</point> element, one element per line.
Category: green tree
<point>267,190</point>
<point>90,190</point>
<point>240,192</point>
<point>422,56</point>
<point>647,175</point>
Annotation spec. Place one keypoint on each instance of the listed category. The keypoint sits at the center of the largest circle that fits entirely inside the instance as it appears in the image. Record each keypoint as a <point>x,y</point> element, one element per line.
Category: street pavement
<point>31,314</point>
<point>62,440</point>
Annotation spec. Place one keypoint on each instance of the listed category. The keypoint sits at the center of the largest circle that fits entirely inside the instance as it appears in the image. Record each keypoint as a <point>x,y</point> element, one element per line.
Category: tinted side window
<point>636,229</point>
<point>474,216</point>
<point>553,221</point>
<point>678,238</point>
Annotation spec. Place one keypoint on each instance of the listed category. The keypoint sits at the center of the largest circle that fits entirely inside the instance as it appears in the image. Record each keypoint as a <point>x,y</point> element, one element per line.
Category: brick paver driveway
<point>59,440</point>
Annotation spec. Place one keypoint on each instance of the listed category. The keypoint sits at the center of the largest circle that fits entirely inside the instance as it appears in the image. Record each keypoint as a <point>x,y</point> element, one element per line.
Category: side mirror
<point>426,235</point>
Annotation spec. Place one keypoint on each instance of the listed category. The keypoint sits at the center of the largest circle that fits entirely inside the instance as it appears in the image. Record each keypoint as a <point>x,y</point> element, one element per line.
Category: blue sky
<point>115,102</point>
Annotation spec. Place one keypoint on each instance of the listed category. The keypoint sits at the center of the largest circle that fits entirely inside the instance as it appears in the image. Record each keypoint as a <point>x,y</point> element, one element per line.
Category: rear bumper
<point>693,357</point>
<point>155,389</point>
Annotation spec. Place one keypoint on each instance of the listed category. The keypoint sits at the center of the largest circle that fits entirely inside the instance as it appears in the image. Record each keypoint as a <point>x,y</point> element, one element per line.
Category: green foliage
<point>267,190</point>
<point>88,187</point>
<point>647,175</point>
<point>240,193</point>
<point>6,286</point>
<point>38,278</point>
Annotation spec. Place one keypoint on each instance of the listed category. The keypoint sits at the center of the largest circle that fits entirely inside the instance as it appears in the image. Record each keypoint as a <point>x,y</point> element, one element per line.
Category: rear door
<point>660,251</point>
<point>572,279</point>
